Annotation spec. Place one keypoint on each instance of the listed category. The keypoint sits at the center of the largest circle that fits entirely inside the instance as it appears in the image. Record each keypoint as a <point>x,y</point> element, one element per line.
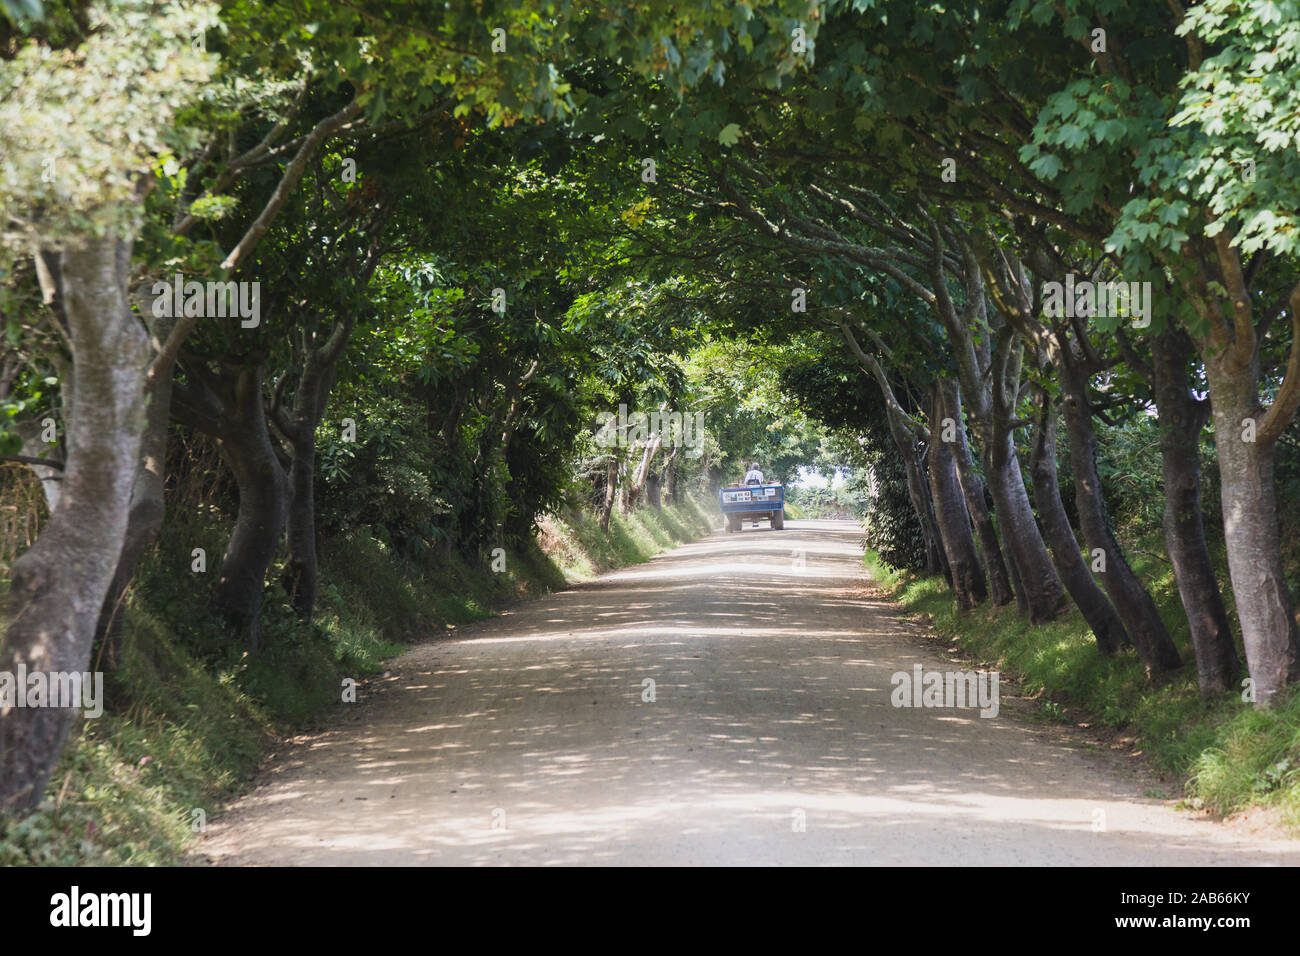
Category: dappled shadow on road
<point>533,738</point>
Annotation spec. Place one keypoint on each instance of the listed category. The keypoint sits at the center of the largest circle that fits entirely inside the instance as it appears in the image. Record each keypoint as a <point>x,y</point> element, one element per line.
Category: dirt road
<point>770,739</point>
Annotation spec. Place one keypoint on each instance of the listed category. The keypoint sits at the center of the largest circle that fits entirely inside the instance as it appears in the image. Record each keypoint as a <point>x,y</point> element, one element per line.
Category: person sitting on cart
<point>754,477</point>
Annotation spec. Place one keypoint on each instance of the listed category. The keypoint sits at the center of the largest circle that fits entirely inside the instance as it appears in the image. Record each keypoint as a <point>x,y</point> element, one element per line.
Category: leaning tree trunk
<point>640,474</point>
<point>263,506</point>
<point>936,562</point>
<point>148,499</point>
<point>1022,602</point>
<point>144,523</point>
<point>57,588</point>
<point>968,583</point>
<point>1182,417</point>
<point>988,360</point>
<point>620,493</point>
<point>298,429</point>
<point>1039,584</point>
<point>972,487</point>
<point>1131,601</point>
<point>991,375</point>
<point>1090,599</point>
<point>1250,527</point>
<point>611,488</point>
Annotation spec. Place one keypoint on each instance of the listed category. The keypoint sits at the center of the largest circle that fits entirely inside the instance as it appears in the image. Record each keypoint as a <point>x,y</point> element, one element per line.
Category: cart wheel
<point>778,520</point>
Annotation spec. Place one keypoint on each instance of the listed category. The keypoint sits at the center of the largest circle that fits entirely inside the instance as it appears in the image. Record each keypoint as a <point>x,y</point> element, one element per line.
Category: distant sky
<point>808,479</point>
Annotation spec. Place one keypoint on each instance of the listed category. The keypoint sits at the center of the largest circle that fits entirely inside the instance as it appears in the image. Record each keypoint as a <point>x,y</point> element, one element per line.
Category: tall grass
<point>581,550</point>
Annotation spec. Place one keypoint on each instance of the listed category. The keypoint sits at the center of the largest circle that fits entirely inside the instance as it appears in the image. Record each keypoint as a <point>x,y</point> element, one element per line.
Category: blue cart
<point>756,502</point>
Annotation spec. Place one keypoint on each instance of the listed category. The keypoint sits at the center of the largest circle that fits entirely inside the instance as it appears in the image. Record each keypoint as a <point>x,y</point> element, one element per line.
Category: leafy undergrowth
<point>188,716</point>
<point>1231,756</point>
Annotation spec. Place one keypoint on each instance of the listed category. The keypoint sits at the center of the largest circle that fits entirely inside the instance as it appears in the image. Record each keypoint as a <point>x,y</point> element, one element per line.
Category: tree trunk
<point>972,487</point>
<point>951,517</point>
<point>57,588</point>
<point>298,432</point>
<point>1039,584</point>
<point>1250,528</point>
<point>148,499</point>
<point>1182,417</point>
<point>263,507</point>
<point>936,562</point>
<point>640,474</point>
<point>611,488</point>
<point>143,525</point>
<point>670,476</point>
<point>1131,601</point>
<point>1087,595</point>
<point>988,360</point>
<point>620,493</point>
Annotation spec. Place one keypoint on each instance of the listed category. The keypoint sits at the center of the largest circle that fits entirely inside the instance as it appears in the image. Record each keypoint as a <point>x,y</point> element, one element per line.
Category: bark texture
<point>951,517</point>
<point>973,490</point>
<point>1132,603</point>
<point>1182,417</point>
<point>59,585</point>
<point>1084,590</point>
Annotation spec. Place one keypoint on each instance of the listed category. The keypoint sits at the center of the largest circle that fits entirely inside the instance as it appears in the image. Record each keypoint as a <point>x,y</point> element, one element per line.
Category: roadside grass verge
<point>188,715</point>
<point>1230,756</point>
<point>581,550</point>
